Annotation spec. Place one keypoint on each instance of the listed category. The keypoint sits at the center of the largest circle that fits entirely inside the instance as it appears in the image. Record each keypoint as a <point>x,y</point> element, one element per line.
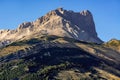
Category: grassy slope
<point>113,44</point>
<point>75,74</point>
<point>57,62</point>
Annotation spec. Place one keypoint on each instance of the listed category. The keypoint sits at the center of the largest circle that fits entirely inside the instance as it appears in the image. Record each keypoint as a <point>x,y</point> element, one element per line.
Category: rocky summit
<point>59,22</point>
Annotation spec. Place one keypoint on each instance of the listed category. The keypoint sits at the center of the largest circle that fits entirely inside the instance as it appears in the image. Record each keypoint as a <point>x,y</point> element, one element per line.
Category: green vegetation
<point>44,73</point>
<point>19,69</point>
<point>11,70</point>
<point>65,59</point>
<point>25,42</point>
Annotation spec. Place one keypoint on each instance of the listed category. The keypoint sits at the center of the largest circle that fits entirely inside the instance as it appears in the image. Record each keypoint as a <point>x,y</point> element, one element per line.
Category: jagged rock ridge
<point>60,22</point>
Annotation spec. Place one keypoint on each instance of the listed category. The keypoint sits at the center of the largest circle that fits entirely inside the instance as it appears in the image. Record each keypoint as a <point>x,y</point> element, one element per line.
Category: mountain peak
<point>58,22</point>
<point>60,9</point>
<point>85,12</point>
<point>24,25</point>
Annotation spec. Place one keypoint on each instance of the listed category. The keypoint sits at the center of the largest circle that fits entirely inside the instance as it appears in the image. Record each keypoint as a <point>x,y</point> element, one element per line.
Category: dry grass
<point>60,40</point>
<point>77,75</point>
<point>86,48</point>
<point>113,44</point>
<point>11,49</point>
<point>107,75</point>
<point>71,75</point>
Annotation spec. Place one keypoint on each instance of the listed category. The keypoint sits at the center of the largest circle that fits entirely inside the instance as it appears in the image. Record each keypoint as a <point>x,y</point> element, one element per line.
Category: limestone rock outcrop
<point>59,22</point>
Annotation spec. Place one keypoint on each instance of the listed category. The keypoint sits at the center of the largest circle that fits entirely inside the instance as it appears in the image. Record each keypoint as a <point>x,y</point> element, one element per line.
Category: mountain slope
<point>113,44</point>
<point>50,57</point>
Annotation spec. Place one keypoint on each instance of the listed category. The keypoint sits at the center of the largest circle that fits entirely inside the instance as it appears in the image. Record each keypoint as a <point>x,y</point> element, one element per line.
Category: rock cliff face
<point>59,22</point>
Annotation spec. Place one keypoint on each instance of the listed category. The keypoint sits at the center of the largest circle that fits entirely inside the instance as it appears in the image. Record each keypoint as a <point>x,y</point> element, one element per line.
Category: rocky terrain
<point>62,45</point>
<point>59,22</point>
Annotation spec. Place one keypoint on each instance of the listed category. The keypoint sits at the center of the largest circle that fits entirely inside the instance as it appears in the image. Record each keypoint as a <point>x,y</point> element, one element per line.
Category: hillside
<point>52,57</point>
<point>113,44</point>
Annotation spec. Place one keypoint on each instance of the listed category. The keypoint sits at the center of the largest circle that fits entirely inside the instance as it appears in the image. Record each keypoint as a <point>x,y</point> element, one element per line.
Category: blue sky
<point>106,13</point>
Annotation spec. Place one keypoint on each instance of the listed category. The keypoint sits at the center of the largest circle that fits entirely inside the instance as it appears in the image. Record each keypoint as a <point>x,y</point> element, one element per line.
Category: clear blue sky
<point>106,13</point>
